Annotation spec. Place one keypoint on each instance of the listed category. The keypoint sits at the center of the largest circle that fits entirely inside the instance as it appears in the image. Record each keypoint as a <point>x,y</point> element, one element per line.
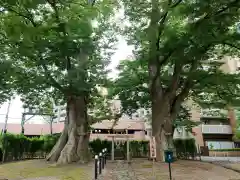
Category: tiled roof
<point>33,129</point>
<point>43,129</point>
<point>106,124</point>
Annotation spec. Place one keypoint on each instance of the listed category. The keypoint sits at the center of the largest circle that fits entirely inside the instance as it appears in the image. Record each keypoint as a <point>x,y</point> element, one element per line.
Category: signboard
<point>153,151</point>
<point>168,156</point>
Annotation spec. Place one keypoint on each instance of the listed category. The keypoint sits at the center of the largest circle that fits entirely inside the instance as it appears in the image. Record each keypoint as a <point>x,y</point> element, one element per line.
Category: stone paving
<point>118,170</point>
<point>181,170</point>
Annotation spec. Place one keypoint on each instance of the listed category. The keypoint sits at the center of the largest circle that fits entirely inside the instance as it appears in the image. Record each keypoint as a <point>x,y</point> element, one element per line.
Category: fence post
<point>100,163</point>
<point>96,168</point>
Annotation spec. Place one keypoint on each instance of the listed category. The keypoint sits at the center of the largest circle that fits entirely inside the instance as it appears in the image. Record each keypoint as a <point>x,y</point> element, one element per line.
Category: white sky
<point>15,113</point>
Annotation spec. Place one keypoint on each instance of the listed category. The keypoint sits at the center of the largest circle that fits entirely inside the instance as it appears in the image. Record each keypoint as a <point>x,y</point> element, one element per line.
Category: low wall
<point>224,153</point>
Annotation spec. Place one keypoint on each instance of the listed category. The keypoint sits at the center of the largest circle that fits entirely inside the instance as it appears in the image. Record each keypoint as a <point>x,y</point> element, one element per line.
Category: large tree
<point>173,58</point>
<point>59,48</point>
<point>5,81</point>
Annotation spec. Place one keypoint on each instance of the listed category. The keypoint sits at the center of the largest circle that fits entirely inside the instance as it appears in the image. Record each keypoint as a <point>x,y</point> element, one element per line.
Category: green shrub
<point>185,148</point>
<point>17,145</point>
<point>49,141</point>
<point>224,150</point>
<point>137,148</point>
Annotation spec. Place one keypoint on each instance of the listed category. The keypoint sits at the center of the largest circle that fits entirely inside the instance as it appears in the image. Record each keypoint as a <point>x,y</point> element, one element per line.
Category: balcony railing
<point>213,113</point>
<point>216,129</point>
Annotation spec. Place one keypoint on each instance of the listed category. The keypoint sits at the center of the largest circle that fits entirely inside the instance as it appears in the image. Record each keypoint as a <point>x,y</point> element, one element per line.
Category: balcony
<point>216,129</point>
<point>220,113</point>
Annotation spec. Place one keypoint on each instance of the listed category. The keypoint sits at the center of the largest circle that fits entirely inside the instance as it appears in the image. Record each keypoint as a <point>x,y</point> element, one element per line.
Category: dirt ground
<point>189,170</point>
<point>32,169</point>
<point>139,169</point>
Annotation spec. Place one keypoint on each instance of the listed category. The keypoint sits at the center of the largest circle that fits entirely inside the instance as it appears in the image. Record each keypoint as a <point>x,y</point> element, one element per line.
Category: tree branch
<point>29,18</point>
<point>209,16</point>
<point>116,117</point>
<point>176,4</point>
<point>231,45</point>
<point>171,90</point>
<point>188,84</point>
<point>52,80</point>
<point>62,28</point>
<point>159,24</point>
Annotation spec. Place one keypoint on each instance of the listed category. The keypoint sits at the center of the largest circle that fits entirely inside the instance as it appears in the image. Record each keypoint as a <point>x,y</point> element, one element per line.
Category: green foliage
<point>211,146</point>
<point>55,49</point>
<point>185,148</point>
<point>178,46</point>
<point>17,145</point>
<point>137,148</point>
<point>184,119</point>
<point>49,142</point>
<point>6,83</point>
<point>237,128</point>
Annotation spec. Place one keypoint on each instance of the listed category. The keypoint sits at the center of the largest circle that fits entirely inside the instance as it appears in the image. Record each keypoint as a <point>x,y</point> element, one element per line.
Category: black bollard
<point>96,168</point>
<point>100,163</point>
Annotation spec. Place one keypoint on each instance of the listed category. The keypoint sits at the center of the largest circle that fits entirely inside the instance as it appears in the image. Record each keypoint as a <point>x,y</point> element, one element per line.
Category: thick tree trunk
<point>73,143</point>
<point>162,128</point>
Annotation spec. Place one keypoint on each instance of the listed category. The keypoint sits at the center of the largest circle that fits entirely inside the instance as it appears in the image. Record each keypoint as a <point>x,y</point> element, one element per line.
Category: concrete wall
<point>224,154</point>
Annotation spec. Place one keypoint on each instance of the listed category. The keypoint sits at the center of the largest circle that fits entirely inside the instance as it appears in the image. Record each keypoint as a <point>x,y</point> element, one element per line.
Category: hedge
<point>17,146</point>
<point>185,148</point>
<point>137,148</point>
<point>224,150</point>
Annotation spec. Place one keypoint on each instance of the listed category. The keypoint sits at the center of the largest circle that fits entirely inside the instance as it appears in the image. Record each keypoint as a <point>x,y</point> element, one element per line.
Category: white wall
<point>220,144</point>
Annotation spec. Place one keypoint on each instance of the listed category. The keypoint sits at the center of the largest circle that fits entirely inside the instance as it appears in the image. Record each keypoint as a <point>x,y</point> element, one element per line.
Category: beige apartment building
<point>217,125</point>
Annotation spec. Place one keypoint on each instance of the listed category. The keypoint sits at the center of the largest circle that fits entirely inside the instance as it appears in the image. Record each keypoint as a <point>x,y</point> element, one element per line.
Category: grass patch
<point>147,165</point>
<point>40,168</point>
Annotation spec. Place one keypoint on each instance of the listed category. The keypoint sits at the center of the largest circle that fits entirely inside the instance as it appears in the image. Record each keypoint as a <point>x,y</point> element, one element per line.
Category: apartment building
<point>217,125</point>
<point>216,128</point>
<point>60,113</point>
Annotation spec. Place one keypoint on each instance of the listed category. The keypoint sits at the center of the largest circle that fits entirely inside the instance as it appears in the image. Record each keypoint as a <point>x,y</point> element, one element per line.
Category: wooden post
<point>112,148</point>
<point>128,155</point>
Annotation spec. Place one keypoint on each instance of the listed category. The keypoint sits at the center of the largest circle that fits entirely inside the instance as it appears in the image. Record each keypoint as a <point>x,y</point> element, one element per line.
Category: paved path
<point>118,170</point>
<point>181,170</point>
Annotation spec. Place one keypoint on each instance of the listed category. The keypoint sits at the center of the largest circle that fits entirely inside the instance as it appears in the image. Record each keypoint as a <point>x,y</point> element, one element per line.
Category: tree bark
<point>72,146</point>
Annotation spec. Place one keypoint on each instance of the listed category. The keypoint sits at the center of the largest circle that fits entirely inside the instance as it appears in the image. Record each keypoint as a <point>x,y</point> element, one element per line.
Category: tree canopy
<point>179,49</point>
<point>59,50</point>
<point>51,48</point>
<point>193,41</point>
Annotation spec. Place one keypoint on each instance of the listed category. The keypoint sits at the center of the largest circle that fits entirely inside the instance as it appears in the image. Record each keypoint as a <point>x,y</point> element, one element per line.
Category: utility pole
<point>6,117</point>
<point>5,130</point>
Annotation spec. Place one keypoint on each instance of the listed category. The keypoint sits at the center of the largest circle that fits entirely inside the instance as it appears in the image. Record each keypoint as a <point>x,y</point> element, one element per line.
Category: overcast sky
<point>15,113</point>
